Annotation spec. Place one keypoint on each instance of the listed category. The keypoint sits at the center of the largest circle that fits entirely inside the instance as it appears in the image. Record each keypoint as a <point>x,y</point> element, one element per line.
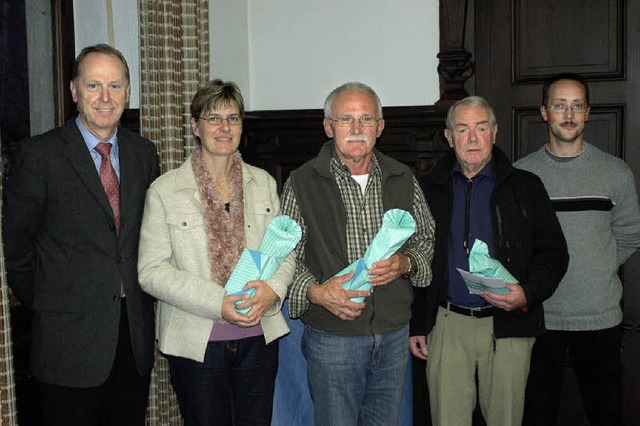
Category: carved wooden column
<point>455,65</point>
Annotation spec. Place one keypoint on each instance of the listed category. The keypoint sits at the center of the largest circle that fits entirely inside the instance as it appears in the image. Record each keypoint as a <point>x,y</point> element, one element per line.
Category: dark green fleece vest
<point>320,202</point>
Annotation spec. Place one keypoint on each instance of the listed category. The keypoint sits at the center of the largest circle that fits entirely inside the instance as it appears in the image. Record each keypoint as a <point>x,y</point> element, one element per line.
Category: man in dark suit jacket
<point>71,257</point>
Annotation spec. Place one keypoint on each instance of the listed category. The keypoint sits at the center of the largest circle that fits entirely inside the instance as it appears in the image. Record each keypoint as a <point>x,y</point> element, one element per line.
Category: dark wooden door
<point>517,43</point>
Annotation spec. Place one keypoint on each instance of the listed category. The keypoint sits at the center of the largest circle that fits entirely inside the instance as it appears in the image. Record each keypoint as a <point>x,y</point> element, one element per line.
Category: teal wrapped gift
<point>483,265</point>
<point>397,227</point>
<point>280,238</point>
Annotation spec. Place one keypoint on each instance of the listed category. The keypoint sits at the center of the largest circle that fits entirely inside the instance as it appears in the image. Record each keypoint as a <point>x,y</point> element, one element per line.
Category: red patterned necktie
<point>110,180</point>
<point>111,186</point>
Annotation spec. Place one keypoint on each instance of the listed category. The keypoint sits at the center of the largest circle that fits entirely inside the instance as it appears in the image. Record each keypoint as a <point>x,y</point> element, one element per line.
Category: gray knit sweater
<point>595,198</point>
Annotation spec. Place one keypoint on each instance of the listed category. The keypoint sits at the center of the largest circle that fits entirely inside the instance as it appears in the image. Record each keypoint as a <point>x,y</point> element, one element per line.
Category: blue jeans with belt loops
<point>356,380</point>
<point>236,380</point>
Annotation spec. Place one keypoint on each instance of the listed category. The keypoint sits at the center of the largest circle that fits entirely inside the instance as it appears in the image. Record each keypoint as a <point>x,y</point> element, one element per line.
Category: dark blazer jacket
<point>65,260</point>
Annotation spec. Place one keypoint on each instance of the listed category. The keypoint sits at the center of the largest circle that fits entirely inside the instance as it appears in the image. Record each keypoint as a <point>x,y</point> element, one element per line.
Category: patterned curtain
<point>8,412</point>
<point>174,62</point>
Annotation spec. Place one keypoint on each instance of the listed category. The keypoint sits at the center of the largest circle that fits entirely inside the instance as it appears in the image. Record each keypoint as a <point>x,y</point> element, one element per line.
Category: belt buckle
<point>479,312</point>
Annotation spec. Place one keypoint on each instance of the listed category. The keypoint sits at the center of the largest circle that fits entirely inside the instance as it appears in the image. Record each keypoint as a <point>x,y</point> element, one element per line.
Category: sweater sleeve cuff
<point>298,302</point>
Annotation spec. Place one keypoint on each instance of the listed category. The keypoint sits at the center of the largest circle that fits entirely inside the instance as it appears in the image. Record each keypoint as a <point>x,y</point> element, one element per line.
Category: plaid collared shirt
<point>364,218</point>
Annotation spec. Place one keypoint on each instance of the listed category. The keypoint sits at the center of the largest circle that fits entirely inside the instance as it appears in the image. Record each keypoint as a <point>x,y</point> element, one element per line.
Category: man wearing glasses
<point>595,198</point>
<point>356,352</point>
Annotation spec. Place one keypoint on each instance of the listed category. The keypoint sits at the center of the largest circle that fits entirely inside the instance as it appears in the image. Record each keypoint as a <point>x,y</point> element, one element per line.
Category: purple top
<point>224,331</point>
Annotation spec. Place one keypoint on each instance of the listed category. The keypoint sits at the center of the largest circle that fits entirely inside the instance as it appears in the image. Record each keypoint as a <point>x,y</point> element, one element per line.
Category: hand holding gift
<point>280,238</point>
<point>397,227</point>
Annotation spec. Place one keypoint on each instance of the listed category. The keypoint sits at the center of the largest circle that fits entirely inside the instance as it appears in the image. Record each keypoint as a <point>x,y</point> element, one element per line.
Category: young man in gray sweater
<point>595,198</point>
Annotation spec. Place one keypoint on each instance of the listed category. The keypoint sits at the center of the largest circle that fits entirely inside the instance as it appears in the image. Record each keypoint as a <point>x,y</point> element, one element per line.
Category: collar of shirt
<point>92,141</point>
<point>487,172</point>
<point>341,170</point>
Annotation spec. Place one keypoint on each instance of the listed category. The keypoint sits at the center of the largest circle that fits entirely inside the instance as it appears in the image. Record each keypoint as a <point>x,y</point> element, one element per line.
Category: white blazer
<point>173,263</point>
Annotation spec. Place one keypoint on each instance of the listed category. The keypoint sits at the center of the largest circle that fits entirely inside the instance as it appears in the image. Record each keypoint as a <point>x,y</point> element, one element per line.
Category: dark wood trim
<point>63,56</point>
<point>455,65</point>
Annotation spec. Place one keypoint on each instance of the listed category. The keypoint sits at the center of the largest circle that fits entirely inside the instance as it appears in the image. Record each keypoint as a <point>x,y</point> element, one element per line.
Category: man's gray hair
<point>352,86</point>
<point>471,101</point>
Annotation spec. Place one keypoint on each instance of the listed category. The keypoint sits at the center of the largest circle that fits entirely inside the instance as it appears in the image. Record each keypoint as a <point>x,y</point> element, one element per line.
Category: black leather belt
<point>468,312</point>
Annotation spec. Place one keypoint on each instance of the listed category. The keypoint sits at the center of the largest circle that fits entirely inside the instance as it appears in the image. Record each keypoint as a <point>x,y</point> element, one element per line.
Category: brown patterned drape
<point>174,62</point>
<point>8,411</point>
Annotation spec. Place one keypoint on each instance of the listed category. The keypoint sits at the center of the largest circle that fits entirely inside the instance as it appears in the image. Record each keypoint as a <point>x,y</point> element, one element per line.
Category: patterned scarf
<point>225,230</point>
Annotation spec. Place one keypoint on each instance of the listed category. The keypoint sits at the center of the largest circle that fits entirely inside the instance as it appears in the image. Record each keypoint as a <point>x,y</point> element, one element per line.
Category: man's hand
<point>336,299</point>
<point>418,346</point>
<point>261,302</point>
<point>385,271</point>
<point>508,302</point>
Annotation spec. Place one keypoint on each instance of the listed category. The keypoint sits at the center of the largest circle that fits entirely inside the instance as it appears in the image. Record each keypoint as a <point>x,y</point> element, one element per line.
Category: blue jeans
<point>238,374</point>
<point>356,380</point>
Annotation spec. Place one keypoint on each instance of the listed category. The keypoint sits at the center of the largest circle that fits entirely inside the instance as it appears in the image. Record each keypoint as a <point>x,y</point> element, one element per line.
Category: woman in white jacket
<point>198,219</point>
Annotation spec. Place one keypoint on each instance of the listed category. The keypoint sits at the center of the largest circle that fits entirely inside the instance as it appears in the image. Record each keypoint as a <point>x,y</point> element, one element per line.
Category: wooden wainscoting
<point>280,141</point>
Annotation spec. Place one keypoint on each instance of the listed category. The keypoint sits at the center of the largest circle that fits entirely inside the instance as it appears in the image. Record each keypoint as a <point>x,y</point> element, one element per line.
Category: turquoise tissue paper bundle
<point>280,238</point>
<point>397,227</point>
<point>482,264</point>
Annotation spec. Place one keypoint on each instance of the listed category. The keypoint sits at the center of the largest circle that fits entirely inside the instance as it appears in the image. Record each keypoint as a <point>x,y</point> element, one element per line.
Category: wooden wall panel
<point>280,141</point>
<point>547,32</point>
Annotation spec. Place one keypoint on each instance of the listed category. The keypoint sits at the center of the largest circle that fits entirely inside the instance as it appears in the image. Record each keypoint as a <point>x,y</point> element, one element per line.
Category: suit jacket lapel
<point>129,175</point>
<point>80,159</point>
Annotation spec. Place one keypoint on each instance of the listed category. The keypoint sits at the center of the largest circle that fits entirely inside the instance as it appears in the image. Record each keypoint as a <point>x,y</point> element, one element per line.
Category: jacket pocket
<point>258,214</point>
<point>188,240</point>
<point>263,207</point>
<point>184,222</point>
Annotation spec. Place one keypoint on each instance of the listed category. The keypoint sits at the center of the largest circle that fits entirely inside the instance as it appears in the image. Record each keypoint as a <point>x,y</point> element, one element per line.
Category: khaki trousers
<point>461,347</point>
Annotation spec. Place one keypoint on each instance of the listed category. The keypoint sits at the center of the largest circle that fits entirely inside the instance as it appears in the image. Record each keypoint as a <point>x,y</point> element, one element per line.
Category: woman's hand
<point>260,303</point>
